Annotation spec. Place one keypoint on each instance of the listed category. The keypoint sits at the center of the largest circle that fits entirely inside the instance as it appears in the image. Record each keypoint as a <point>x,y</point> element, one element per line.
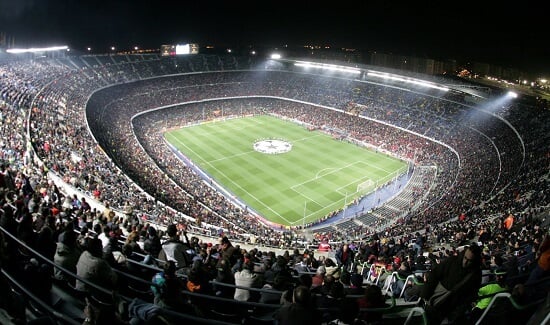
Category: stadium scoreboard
<point>179,49</point>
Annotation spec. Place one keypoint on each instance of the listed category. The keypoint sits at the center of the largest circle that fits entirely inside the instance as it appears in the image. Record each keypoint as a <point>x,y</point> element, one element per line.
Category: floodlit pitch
<point>279,169</point>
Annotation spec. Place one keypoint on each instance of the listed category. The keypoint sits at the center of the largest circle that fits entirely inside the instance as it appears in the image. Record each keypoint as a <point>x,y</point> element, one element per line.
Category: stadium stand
<point>94,122</point>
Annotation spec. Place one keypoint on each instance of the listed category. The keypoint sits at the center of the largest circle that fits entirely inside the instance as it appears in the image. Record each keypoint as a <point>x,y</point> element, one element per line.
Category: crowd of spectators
<point>127,166</point>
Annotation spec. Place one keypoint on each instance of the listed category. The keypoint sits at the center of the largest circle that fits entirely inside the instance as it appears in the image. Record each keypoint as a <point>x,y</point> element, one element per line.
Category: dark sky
<point>512,36</point>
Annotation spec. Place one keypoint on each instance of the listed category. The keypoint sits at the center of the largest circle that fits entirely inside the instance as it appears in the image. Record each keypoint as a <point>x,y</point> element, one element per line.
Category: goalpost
<point>366,186</point>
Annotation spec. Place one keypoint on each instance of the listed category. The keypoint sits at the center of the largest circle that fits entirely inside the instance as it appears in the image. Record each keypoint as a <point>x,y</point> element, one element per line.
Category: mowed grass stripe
<point>278,186</point>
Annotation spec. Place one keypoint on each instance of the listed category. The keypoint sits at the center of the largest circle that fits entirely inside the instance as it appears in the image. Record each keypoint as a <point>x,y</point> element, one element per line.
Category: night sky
<point>514,37</point>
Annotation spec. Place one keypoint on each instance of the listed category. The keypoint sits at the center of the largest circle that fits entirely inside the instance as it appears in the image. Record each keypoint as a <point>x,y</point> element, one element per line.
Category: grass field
<point>317,176</point>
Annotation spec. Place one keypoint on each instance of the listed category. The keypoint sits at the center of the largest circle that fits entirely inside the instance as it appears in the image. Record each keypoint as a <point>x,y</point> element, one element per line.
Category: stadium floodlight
<point>329,67</point>
<point>414,81</point>
<point>512,94</point>
<point>37,49</point>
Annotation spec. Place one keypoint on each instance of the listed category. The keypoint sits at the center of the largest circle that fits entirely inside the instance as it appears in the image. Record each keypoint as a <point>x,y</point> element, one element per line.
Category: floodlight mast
<point>345,205</point>
<point>304,218</point>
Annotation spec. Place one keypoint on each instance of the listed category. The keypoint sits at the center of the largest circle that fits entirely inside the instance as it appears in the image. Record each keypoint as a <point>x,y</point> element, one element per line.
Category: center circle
<point>272,146</point>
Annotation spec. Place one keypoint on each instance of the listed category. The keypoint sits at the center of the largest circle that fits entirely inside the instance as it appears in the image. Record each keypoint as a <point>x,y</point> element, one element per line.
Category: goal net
<point>365,187</point>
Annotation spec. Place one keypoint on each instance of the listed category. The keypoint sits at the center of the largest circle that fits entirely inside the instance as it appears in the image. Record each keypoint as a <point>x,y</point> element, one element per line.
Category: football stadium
<point>213,188</point>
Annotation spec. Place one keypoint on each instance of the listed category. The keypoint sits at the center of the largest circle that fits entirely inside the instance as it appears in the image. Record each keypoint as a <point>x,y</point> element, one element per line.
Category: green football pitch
<point>279,169</point>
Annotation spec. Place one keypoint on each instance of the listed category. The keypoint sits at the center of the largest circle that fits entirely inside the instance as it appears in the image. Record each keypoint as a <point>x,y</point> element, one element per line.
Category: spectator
<point>508,222</point>
<point>319,277</point>
<point>82,238</point>
<point>487,292</point>
<point>272,293</point>
<point>373,298</point>
<point>248,279</point>
<point>45,243</point>
<point>92,267</point>
<point>461,274</point>
<point>174,249</point>
<point>104,234</point>
<point>67,255</point>
<point>399,282</point>
<point>228,251</point>
<point>330,267</point>
<point>280,267</point>
<point>345,257</point>
<point>225,276</point>
<point>168,289</point>
<point>198,279</point>
<point>106,213</point>
<point>112,253</point>
<point>531,290</point>
<point>132,241</point>
<point>300,311</point>
<point>542,267</point>
<point>356,285</point>
<point>152,245</point>
<point>418,244</point>
<point>334,303</point>
<point>497,262</point>
<point>414,287</point>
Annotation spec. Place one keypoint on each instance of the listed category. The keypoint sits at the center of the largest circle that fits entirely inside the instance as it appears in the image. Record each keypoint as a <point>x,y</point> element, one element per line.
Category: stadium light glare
<point>406,80</point>
<point>329,67</point>
<point>37,49</point>
<point>497,104</point>
<point>512,94</point>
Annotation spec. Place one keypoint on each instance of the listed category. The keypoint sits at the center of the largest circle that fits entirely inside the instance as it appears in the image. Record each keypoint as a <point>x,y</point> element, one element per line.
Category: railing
<point>42,307</point>
<point>538,286</point>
